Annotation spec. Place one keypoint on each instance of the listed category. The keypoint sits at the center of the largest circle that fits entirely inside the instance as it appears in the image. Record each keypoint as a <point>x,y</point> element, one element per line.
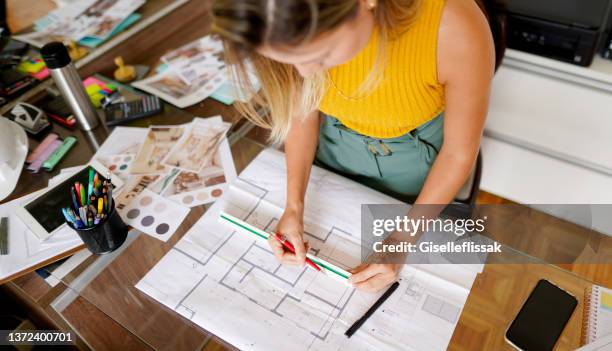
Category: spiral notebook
<point>597,321</point>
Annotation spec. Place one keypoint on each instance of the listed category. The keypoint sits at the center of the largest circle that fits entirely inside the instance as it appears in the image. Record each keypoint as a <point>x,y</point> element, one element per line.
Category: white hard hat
<point>13,151</point>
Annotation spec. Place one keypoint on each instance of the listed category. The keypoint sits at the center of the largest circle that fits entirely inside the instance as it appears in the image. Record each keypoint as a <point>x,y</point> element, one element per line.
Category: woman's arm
<point>300,148</point>
<point>466,62</point>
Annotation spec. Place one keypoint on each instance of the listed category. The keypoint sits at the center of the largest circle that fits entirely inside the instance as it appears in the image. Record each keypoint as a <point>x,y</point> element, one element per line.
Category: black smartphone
<point>542,318</point>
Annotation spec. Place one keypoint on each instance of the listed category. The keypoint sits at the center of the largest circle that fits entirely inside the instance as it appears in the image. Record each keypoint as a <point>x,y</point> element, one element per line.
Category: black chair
<point>4,28</point>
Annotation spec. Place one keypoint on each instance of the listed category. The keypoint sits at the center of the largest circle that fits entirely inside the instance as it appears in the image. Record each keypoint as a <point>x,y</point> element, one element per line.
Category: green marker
<point>57,156</point>
<point>90,185</point>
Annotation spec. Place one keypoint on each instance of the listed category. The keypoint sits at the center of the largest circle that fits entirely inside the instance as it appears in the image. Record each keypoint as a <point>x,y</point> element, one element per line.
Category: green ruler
<point>326,267</point>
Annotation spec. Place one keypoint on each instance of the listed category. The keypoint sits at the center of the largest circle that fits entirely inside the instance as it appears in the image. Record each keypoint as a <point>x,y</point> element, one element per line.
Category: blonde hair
<point>245,25</point>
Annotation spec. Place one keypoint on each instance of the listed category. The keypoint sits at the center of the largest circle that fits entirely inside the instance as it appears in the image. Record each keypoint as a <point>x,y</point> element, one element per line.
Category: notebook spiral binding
<point>589,320</point>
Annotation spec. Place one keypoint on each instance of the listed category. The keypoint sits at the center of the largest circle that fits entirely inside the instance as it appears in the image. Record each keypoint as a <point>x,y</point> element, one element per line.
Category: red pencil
<point>290,247</point>
<point>77,187</point>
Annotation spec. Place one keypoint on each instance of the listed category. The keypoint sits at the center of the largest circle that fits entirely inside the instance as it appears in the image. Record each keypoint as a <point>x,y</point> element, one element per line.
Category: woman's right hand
<point>291,225</point>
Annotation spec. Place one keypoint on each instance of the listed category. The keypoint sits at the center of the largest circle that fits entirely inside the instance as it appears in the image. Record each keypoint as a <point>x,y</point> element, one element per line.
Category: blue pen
<point>109,192</point>
<point>68,219</point>
<point>75,203</point>
<point>79,222</point>
<point>74,218</point>
<point>71,214</point>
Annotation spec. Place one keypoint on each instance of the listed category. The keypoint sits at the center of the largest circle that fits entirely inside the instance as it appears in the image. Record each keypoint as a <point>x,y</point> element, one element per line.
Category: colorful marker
<point>68,218</point>
<point>89,218</point>
<point>110,192</point>
<point>83,214</point>
<point>90,184</point>
<point>77,189</point>
<point>75,203</point>
<point>100,205</point>
<point>83,197</point>
<point>105,195</point>
<point>89,204</point>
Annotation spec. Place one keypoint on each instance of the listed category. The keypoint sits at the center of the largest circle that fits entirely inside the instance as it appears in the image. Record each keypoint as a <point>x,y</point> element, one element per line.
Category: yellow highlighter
<point>100,206</point>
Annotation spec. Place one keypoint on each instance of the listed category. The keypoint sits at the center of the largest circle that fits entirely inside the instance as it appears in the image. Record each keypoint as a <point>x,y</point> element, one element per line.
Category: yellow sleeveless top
<point>409,93</point>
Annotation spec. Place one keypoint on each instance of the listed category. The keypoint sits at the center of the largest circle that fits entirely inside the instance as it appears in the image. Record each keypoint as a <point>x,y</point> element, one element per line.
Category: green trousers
<point>396,166</point>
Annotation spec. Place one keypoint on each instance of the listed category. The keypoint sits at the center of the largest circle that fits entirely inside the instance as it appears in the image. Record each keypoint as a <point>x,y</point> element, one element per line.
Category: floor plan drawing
<point>230,283</point>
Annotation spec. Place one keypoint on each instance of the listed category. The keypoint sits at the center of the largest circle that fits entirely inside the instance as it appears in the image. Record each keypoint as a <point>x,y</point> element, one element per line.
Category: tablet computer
<point>43,214</point>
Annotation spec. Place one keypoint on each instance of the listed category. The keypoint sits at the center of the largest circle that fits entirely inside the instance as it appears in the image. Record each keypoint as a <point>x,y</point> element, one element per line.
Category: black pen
<point>109,192</point>
<point>371,311</point>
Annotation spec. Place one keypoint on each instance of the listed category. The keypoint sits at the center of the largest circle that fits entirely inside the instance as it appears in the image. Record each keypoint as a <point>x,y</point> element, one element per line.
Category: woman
<point>390,93</point>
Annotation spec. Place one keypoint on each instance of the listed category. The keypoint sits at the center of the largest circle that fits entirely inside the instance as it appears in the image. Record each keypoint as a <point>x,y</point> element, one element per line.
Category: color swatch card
<point>118,164</point>
<point>195,189</point>
<point>82,21</point>
<point>156,146</point>
<point>198,145</point>
<point>123,140</point>
<point>169,86</point>
<point>152,214</point>
<point>192,73</point>
<point>132,189</point>
<point>191,60</point>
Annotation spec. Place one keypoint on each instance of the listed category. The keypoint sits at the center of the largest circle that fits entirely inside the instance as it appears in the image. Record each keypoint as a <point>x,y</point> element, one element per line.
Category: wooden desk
<point>156,16</point>
<point>21,14</point>
<point>132,318</point>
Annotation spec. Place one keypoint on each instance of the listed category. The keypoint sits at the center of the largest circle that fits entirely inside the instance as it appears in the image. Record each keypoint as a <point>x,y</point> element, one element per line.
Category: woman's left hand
<point>374,277</point>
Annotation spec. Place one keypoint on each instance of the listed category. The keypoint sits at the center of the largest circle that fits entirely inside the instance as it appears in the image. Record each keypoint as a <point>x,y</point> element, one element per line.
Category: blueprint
<point>229,282</point>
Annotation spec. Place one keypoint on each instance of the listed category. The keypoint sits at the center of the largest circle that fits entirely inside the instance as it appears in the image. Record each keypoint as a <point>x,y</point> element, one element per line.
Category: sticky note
<point>42,75</point>
<point>96,99</point>
<point>31,66</point>
<point>93,89</point>
<point>91,81</point>
<point>111,87</point>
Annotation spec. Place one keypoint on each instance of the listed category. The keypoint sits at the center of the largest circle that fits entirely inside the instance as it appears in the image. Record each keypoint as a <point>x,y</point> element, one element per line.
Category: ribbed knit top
<point>407,95</point>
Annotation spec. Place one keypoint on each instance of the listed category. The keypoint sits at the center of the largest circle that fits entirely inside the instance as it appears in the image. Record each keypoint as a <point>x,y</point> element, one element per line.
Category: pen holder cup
<point>105,237</point>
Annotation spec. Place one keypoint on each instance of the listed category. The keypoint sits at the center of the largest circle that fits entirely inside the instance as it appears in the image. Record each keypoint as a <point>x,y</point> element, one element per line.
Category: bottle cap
<point>55,55</point>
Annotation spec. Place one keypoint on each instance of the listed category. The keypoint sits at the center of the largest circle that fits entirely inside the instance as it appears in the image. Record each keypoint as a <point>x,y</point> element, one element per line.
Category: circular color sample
<point>133,213</point>
<point>112,167</point>
<point>146,201</point>
<point>202,196</point>
<point>217,192</point>
<point>160,207</point>
<point>147,221</point>
<point>123,167</point>
<point>162,229</point>
<point>188,199</point>
<point>127,159</point>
